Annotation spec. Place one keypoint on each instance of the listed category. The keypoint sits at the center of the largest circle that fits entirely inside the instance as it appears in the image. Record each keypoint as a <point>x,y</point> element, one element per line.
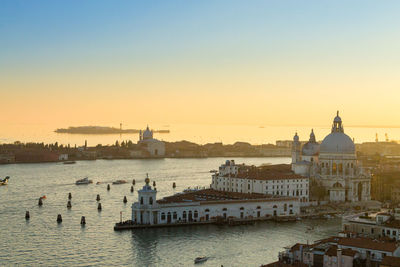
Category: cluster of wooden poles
<point>99,207</point>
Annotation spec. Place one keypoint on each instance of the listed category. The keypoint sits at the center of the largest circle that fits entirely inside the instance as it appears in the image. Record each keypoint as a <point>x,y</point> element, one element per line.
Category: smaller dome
<point>311,148</point>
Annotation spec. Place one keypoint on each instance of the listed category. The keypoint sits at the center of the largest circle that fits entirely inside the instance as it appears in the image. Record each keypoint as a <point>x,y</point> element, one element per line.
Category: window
<point>285,207</point>
<point>258,207</point>
<point>196,214</point>
<point>248,186</point>
<point>175,216</point>
<point>141,201</point>
<point>162,216</point>
<point>184,215</point>
<point>151,201</point>
<point>207,210</point>
<point>241,208</point>
<point>224,209</point>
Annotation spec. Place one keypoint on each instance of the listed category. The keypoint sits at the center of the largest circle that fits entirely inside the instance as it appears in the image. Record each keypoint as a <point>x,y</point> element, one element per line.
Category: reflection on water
<point>42,241</point>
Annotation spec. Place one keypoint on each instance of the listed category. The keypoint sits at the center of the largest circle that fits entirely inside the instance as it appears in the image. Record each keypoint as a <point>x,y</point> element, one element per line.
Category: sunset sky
<point>230,62</point>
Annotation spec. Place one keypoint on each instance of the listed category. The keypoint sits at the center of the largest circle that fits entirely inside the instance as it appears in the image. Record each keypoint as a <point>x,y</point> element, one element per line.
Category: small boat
<point>84,181</point>
<point>120,182</point>
<point>70,162</point>
<point>200,259</point>
<point>5,180</point>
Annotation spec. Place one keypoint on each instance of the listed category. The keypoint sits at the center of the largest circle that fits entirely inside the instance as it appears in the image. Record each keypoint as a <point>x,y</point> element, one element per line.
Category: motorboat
<point>5,180</point>
<point>84,181</point>
<point>70,162</point>
<point>119,182</point>
<point>200,259</point>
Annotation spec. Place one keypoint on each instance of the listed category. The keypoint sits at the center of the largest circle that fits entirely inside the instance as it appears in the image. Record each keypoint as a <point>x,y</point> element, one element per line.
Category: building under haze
<point>332,165</point>
<point>153,146</point>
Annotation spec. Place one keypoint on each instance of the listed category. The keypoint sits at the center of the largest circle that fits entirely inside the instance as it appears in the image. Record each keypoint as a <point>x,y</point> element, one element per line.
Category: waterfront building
<point>277,180</point>
<point>153,146</point>
<point>333,165</point>
<point>381,224</point>
<point>208,205</point>
<point>340,251</point>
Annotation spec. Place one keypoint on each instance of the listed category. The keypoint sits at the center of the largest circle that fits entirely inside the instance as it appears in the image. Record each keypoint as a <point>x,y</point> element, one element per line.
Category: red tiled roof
<point>210,196</point>
<point>266,172</point>
<point>349,252</point>
<point>368,243</point>
<point>332,251</point>
<point>391,261</point>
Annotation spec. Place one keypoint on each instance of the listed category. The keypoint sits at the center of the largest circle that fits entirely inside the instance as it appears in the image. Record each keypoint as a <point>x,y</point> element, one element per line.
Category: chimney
<point>339,257</point>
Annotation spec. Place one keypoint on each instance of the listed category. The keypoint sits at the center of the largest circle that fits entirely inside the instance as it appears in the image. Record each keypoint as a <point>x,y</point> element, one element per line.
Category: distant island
<point>101,130</point>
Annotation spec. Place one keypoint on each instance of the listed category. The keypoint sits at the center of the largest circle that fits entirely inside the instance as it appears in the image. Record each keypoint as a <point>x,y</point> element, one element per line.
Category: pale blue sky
<point>282,50</point>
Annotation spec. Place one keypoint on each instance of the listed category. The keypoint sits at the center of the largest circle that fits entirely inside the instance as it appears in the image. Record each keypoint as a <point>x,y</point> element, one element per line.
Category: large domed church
<point>332,165</point>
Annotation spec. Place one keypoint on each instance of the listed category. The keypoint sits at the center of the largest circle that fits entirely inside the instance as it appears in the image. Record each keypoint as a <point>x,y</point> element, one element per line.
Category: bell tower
<point>295,150</point>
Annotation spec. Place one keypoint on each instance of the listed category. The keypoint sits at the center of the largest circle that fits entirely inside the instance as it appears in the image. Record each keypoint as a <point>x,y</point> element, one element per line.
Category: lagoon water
<point>42,241</point>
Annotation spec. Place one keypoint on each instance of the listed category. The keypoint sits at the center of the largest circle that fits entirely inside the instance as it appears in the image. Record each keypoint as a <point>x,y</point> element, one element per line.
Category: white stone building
<point>153,146</point>
<point>208,205</point>
<point>333,165</point>
<point>277,180</point>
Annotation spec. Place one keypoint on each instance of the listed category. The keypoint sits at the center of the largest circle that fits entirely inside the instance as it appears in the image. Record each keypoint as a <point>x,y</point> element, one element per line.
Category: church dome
<point>311,148</point>
<point>337,141</point>
<point>147,134</point>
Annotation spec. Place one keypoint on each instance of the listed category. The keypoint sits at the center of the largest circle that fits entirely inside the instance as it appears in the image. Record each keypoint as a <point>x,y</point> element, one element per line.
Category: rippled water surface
<point>42,241</point>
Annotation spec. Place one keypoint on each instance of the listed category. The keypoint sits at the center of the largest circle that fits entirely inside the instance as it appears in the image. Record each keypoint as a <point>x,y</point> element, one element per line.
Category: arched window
<point>151,201</point>
<point>196,214</point>
<point>163,216</point>
<point>285,207</point>
<point>337,185</point>
<point>258,207</point>
<point>224,209</point>
<point>241,208</point>
<point>184,215</point>
<point>141,201</point>
<point>175,216</point>
<point>323,165</point>
<point>207,210</point>
<point>340,168</point>
<point>275,206</point>
<point>334,168</point>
